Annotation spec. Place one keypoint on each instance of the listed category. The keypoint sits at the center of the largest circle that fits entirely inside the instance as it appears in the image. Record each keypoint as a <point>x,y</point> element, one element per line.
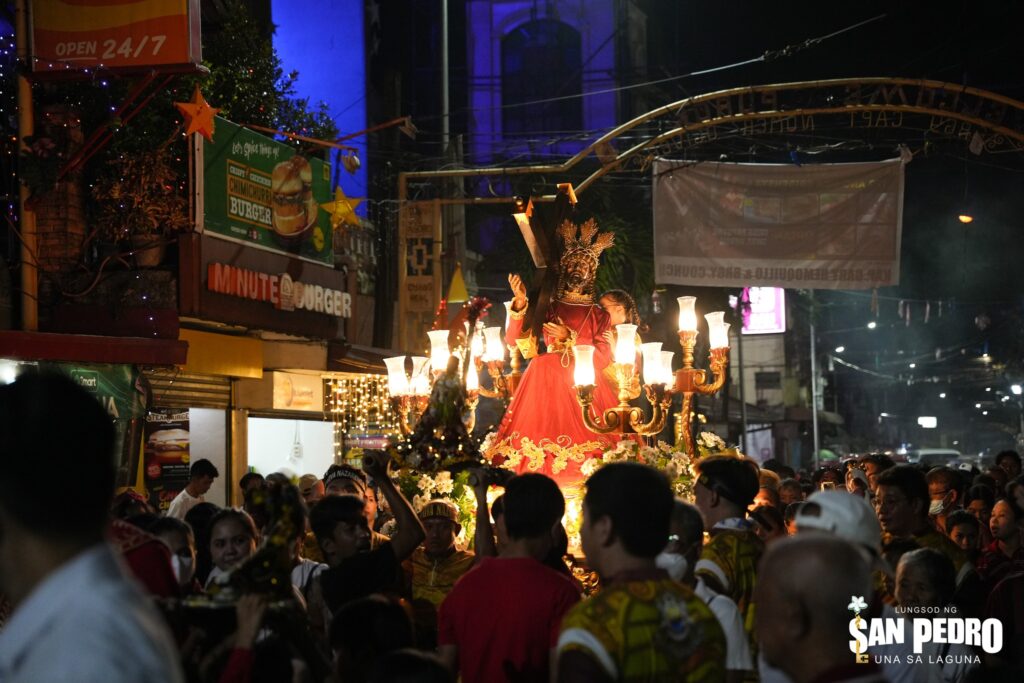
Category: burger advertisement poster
<point>166,460</point>
<point>261,192</point>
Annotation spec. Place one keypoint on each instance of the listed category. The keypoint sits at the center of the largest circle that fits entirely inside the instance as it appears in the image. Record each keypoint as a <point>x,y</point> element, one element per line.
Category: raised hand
<point>518,292</point>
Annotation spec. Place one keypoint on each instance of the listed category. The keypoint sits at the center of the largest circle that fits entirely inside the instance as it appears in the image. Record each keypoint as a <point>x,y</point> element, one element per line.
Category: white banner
<point>825,226</point>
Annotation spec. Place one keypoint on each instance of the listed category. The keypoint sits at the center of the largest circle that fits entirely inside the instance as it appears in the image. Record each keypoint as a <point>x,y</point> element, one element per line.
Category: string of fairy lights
<point>8,123</point>
<point>360,404</point>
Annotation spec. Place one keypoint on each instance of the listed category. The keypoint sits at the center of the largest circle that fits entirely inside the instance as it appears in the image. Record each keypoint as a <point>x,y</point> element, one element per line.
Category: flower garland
<point>419,488</point>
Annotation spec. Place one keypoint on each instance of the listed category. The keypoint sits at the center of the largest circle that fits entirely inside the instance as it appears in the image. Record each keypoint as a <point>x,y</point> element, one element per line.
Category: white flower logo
<point>857,604</point>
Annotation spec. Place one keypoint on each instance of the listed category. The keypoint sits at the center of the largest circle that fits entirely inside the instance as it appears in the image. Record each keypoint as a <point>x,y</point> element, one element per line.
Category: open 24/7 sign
<point>71,35</point>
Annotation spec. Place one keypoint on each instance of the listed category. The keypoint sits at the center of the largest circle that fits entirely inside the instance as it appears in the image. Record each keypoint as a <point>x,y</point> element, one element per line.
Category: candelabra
<point>660,383</point>
<point>503,386</point>
<point>411,392</point>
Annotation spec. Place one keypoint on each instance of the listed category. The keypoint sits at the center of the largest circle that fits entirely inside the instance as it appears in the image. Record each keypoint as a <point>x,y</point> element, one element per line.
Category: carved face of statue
<point>578,274</point>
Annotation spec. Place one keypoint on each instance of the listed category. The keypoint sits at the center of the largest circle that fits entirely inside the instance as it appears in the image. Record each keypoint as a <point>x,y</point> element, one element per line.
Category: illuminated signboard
<point>767,311</point>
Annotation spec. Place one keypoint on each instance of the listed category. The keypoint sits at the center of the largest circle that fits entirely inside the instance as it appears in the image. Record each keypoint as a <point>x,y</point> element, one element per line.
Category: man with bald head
<point>802,621</point>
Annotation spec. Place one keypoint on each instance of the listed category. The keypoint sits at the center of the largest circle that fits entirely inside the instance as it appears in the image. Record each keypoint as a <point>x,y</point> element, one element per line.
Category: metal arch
<point>950,96</point>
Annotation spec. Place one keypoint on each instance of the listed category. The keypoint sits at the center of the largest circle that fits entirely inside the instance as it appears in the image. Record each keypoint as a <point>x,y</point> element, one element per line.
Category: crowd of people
<point>755,580</point>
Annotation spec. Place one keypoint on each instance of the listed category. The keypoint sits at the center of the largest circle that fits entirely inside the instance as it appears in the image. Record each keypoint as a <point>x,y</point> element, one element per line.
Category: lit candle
<point>398,383</point>
<point>472,379</point>
<point>476,345</point>
<point>625,344</point>
<point>666,368</point>
<point>583,373</point>
<point>687,314</point>
<point>439,352</point>
<point>494,345</point>
<point>718,330</point>
<point>419,385</point>
<point>651,353</point>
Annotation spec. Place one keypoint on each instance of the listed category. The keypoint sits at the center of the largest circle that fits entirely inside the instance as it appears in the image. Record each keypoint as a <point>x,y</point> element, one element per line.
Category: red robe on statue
<point>543,429</point>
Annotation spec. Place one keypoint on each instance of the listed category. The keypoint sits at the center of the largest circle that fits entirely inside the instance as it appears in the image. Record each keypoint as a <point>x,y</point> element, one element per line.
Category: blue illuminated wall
<point>488,22</point>
<point>323,40</point>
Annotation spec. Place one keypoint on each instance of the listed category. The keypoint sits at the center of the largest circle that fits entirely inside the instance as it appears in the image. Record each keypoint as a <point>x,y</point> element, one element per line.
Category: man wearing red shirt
<point>501,620</point>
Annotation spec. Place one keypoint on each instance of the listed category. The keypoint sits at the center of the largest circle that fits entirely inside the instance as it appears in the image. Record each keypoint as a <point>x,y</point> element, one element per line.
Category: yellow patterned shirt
<point>433,579</point>
<point>728,565</point>
<point>647,627</point>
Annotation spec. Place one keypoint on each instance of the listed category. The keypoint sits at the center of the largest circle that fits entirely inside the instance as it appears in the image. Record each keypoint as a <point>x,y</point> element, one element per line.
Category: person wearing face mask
<point>178,537</point>
<point>679,558</point>
<point>944,494</point>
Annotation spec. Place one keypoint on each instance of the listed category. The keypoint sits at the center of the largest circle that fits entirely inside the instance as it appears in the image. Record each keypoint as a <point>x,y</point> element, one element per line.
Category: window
<point>541,59</point>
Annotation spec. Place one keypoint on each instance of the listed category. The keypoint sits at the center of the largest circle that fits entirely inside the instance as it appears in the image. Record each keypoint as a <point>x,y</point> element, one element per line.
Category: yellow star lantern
<point>342,209</point>
<point>198,115</point>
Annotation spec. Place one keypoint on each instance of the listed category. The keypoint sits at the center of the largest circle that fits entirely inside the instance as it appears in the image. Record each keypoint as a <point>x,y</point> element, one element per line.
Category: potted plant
<point>141,200</point>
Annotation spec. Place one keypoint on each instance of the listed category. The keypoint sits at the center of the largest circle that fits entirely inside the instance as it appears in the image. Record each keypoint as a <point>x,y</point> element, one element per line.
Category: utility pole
<point>814,389</point>
<point>743,386</point>
<point>27,217</point>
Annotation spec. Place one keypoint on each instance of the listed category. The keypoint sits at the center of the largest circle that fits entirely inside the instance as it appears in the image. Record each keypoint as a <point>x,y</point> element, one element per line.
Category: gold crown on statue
<point>581,245</point>
<point>584,246</point>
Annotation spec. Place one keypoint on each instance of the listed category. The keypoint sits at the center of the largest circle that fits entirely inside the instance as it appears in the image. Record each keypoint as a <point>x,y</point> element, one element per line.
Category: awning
<point>222,354</point>
<point>357,359</point>
<point>84,348</point>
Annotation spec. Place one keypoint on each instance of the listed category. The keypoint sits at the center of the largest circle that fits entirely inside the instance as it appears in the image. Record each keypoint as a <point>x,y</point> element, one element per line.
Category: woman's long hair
<point>625,299</point>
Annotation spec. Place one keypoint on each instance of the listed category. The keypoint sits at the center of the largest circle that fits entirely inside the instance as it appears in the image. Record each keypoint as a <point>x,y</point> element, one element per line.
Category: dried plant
<point>141,194</point>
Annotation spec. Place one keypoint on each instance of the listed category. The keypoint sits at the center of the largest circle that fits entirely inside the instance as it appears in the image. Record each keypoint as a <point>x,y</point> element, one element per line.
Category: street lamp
<point>1016,389</point>
<point>660,383</point>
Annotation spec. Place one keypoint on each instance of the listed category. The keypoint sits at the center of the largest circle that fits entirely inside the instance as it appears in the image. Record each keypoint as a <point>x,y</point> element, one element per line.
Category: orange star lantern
<point>198,115</point>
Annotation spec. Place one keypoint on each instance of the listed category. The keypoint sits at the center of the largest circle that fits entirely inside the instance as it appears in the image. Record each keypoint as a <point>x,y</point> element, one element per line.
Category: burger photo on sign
<point>294,211</point>
<point>168,446</point>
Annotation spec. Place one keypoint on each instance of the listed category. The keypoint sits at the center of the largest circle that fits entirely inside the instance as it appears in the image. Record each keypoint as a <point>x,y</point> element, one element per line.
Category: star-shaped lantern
<point>342,209</point>
<point>198,115</point>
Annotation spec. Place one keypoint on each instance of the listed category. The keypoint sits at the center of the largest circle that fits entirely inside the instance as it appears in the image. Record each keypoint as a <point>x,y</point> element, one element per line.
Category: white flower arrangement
<point>420,488</point>
<point>676,464</point>
<point>443,483</point>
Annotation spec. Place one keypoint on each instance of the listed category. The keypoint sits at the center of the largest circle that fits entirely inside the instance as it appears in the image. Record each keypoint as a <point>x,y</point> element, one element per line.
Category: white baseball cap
<point>841,514</point>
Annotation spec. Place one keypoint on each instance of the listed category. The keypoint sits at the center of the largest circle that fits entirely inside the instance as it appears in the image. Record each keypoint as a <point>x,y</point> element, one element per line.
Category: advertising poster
<point>166,451</point>
<point>129,34</point>
<point>117,389</point>
<point>260,192</point>
<point>820,226</point>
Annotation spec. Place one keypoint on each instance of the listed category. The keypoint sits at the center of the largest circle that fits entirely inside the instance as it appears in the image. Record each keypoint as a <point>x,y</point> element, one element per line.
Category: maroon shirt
<point>993,564</point>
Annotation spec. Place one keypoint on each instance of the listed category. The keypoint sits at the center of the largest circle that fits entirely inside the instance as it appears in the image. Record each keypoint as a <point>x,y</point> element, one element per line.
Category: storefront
<point>286,427</point>
<point>191,414</point>
<point>110,368</point>
<point>289,307</point>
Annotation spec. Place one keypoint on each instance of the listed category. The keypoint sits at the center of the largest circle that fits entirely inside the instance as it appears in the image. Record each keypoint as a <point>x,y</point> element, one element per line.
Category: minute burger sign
<point>279,290</point>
